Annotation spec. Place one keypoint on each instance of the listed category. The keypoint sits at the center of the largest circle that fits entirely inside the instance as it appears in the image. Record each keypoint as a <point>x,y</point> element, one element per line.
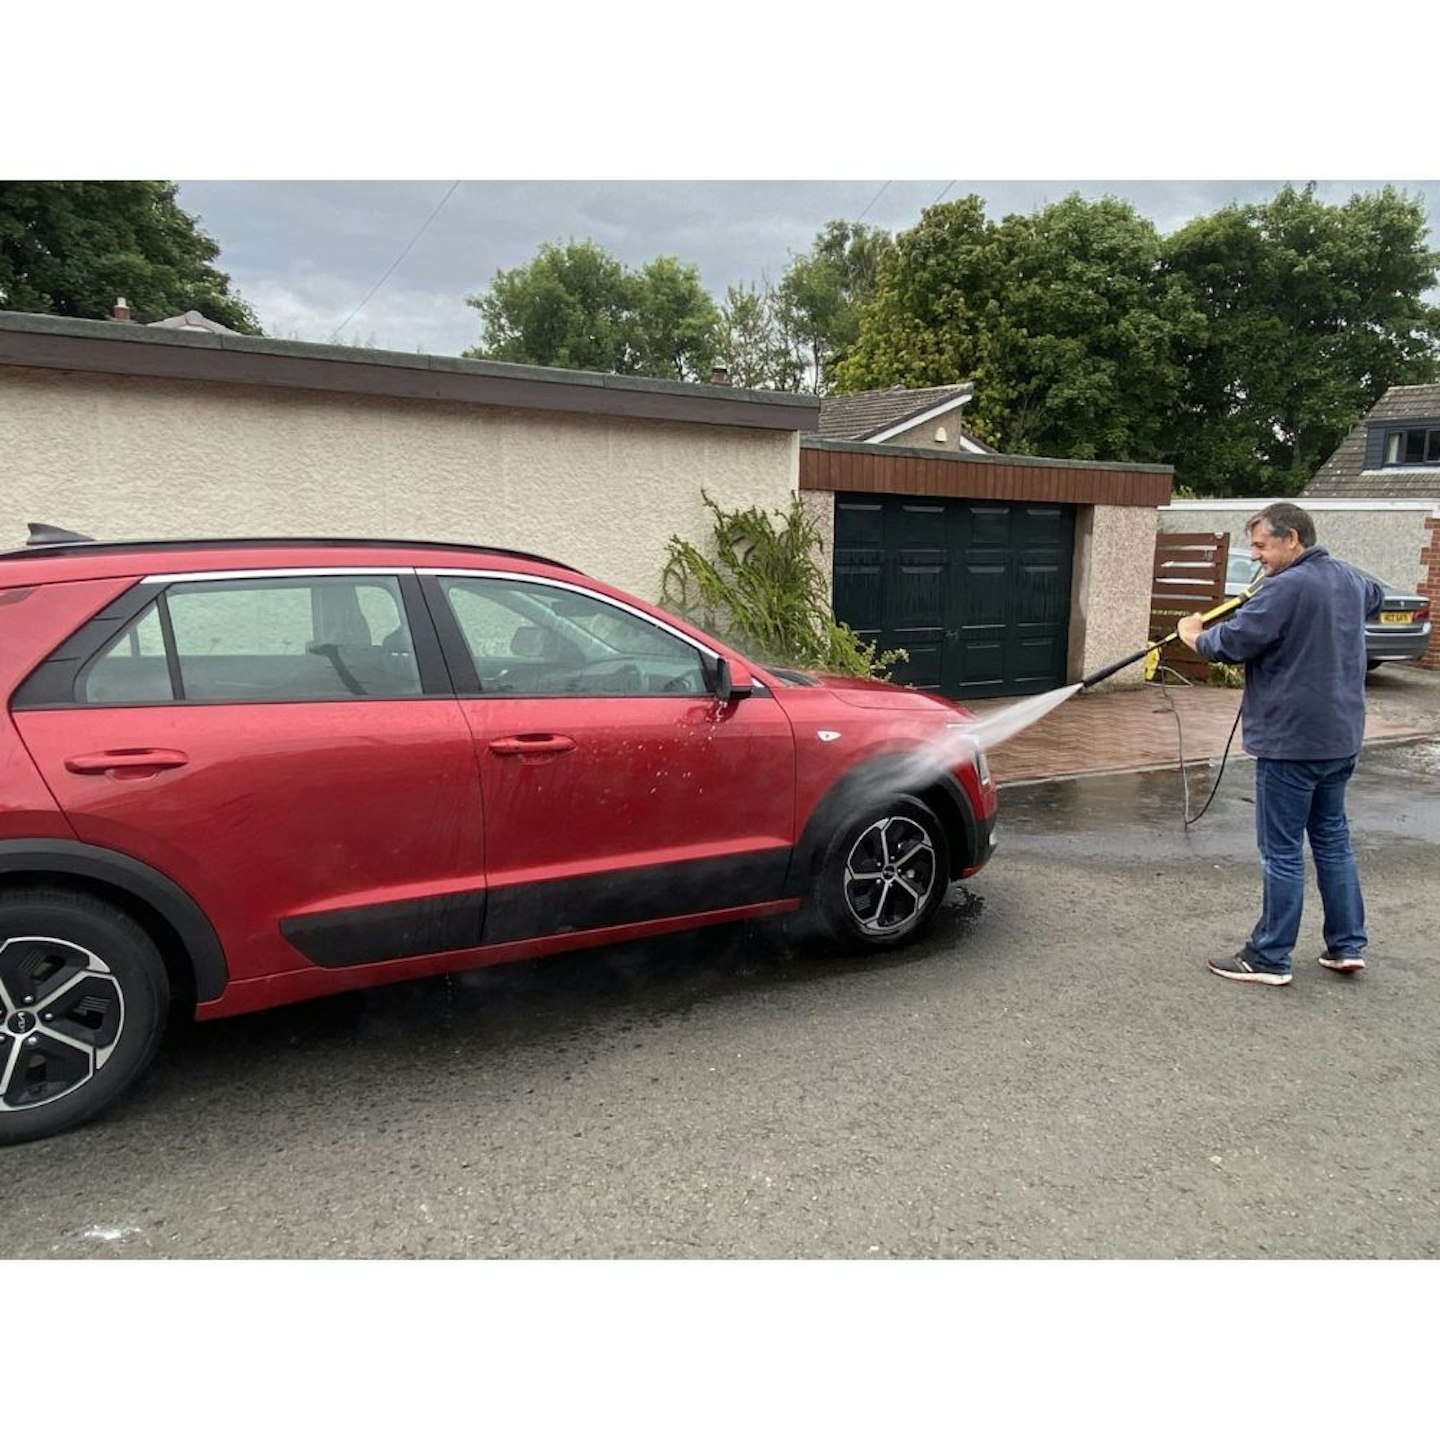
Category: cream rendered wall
<point>119,456</point>
<point>922,437</point>
<point>1110,590</point>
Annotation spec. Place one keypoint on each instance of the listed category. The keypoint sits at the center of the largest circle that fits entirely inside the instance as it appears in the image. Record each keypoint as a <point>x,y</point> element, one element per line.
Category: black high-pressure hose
<point>1180,750</point>
<point>1224,608</point>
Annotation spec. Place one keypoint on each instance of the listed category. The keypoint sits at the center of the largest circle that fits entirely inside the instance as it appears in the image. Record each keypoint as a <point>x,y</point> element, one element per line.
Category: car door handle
<point>105,762</point>
<point>527,745</point>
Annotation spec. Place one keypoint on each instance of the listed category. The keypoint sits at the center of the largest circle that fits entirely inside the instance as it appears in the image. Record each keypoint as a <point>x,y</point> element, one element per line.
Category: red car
<point>240,773</point>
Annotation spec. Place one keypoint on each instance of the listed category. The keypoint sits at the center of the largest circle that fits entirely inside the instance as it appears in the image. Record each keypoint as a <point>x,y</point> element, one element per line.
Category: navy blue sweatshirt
<point>1301,637</point>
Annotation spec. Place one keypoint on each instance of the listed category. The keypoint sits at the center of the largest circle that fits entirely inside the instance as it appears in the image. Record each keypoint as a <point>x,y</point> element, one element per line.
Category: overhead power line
<point>374,289</point>
<point>871,205</point>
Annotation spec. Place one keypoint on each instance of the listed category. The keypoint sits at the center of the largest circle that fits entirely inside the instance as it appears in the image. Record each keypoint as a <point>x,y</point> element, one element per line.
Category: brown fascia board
<point>112,348</point>
<point>993,457</point>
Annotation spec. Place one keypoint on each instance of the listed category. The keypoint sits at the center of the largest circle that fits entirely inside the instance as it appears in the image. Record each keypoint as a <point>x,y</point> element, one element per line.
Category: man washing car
<point>1301,639</point>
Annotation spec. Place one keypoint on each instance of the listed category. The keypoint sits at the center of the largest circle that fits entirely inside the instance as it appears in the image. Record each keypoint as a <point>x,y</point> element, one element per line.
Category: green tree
<point>73,247</point>
<point>576,306</point>
<point>1309,312</point>
<point>676,322</point>
<point>1064,319</point>
<point>753,341</point>
<point>822,293</point>
<point>572,306</point>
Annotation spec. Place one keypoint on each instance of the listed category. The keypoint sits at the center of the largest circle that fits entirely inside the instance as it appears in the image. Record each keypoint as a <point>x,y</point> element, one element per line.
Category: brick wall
<point>1430,588</point>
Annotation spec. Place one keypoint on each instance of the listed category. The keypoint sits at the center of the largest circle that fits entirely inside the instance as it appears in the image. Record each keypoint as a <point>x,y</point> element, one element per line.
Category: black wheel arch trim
<point>865,785</point>
<point>134,877</point>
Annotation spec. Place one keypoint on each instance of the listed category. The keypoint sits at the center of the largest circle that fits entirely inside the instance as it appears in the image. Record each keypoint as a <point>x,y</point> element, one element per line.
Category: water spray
<point>988,731</point>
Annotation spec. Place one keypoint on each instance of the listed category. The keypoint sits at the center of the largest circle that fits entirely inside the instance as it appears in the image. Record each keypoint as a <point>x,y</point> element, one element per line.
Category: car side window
<point>527,638</point>
<point>249,640</point>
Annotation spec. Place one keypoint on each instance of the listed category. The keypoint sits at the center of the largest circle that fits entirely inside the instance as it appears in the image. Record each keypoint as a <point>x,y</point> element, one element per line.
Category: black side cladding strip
<point>630,897</point>
<point>368,934</point>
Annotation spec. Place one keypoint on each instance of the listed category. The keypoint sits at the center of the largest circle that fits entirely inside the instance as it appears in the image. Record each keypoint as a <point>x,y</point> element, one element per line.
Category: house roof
<point>867,413</point>
<point>1344,473</point>
<point>191,320</point>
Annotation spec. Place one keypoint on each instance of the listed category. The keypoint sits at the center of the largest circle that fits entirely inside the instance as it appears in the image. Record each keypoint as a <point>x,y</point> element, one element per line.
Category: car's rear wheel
<point>884,875</point>
<point>83,1001</point>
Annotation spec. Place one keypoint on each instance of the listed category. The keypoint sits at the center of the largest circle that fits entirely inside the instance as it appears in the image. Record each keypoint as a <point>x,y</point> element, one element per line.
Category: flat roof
<point>112,347</point>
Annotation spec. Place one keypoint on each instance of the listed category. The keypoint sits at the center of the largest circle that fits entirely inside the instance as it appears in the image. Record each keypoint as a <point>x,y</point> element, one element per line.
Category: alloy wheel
<point>61,1015</point>
<point>890,874</point>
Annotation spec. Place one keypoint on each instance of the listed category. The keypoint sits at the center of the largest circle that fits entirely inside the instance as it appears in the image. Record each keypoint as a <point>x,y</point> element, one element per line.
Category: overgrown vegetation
<point>762,590</point>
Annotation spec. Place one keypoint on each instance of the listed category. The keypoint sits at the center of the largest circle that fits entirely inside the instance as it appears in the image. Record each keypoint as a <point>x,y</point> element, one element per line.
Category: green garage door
<point>977,591</point>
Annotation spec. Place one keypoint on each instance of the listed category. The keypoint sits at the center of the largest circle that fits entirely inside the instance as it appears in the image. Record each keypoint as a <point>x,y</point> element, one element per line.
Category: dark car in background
<point>1401,630</point>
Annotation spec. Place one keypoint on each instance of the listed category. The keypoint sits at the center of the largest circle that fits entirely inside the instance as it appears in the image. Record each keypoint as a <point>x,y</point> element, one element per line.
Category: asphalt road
<point>1052,1074</point>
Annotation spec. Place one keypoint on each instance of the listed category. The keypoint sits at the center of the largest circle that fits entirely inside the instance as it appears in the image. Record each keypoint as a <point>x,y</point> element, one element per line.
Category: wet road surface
<point>1051,1074</point>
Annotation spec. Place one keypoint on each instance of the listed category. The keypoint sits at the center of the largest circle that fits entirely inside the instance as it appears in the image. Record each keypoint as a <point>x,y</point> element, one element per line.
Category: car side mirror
<point>733,681</point>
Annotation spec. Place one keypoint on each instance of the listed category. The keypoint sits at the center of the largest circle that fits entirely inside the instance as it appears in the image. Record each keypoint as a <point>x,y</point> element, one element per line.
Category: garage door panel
<point>977,591</point>
<point>920,593</point>
<point>859,590</point>
<point>989,525</point>
<point>925,667</point>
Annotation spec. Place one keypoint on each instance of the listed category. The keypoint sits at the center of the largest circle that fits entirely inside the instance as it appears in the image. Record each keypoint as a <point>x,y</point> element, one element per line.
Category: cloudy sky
<point>581,121</point>
<point>306,254</point>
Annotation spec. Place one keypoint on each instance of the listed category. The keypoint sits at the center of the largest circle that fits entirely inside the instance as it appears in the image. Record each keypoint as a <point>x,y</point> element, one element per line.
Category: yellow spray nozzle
<point>1151,653</point>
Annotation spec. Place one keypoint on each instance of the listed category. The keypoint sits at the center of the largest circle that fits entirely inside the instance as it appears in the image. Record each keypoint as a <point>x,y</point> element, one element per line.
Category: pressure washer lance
<point>1151,655</point>
<point>1234,602</point>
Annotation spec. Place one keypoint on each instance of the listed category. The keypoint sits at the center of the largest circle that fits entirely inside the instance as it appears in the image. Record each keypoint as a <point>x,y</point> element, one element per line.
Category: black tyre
<point>884,875</point>
<point>1373,664</point>
<point>83,1001</point>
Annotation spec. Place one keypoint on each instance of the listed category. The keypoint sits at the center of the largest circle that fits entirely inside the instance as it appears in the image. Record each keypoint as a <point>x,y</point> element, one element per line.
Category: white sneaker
<point>1345,964</point>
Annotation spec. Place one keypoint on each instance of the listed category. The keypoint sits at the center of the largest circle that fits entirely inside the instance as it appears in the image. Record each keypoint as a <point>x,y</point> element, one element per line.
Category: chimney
<point>719,375</point>
<point>121,310</point>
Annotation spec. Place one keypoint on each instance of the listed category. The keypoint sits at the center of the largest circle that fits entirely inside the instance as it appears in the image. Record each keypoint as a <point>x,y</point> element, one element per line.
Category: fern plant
<point>763,591</point>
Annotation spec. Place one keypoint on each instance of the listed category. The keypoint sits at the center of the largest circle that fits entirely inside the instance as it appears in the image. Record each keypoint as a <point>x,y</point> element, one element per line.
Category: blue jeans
<point>1294,798</point>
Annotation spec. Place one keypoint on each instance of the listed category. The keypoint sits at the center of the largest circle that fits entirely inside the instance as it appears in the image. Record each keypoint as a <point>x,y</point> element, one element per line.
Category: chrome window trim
<point>308,572</point>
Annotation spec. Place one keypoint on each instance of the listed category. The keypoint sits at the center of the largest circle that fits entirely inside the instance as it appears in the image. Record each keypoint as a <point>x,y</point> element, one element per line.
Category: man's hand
<point>1190,627</point>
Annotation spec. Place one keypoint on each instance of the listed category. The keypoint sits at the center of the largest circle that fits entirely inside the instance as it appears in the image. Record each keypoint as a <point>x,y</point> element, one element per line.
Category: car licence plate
<point>1396,617</point>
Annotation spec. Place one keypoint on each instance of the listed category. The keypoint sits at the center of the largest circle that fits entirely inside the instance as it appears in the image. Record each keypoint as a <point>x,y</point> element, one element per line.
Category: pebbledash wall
<point>1398,540</point>
<point>126,431</point>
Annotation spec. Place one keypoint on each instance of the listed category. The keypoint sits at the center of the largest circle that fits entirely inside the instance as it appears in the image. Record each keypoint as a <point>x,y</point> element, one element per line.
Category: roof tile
<point>863,413</point>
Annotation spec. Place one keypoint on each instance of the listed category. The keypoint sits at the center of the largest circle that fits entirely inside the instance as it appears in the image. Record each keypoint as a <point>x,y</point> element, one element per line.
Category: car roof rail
<point>42,534</point>
<point>51,539</point>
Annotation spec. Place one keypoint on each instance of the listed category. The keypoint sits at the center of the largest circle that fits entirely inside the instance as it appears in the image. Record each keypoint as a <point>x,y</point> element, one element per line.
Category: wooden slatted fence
<point>1189,575</point>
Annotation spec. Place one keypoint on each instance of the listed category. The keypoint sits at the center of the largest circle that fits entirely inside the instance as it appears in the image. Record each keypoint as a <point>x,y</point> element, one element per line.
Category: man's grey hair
<point>1282,519</point>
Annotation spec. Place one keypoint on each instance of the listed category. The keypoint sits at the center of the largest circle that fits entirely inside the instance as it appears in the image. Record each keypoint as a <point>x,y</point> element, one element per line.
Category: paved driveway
<point>1053,1074</point>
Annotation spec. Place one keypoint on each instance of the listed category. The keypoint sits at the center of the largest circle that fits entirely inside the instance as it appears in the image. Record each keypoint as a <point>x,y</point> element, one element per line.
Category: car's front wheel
<point>83,1001</point>
<point>884,875</point>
